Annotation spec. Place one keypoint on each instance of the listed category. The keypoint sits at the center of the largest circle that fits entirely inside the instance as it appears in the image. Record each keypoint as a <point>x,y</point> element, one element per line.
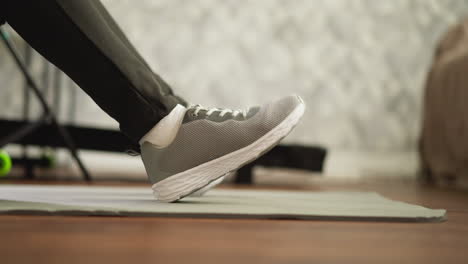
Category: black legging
<point>82,39</point>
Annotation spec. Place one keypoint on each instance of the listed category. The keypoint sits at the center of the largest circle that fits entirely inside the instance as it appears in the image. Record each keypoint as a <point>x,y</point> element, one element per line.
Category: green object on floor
<point>49,158</point>
<point>5,163</point>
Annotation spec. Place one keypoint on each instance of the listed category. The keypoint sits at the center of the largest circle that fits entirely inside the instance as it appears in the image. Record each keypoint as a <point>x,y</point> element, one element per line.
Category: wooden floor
<point>55,239</point>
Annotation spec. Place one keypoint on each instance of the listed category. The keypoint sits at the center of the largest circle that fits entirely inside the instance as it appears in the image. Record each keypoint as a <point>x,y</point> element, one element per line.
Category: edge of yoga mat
<point>8,207</point>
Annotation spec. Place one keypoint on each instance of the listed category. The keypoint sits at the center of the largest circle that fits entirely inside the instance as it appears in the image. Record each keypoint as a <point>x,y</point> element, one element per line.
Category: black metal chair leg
<point>72,148</point>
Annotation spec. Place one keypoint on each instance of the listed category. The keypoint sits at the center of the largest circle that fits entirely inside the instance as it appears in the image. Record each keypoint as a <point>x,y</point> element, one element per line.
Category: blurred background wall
<point>360,65</point>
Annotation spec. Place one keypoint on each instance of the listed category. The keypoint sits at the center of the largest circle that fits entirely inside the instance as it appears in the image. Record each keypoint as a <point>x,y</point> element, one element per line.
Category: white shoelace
<point>222,111</point>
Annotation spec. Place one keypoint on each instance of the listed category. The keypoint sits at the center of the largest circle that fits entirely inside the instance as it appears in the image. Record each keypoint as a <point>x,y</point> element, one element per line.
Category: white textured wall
<point>359,64</point>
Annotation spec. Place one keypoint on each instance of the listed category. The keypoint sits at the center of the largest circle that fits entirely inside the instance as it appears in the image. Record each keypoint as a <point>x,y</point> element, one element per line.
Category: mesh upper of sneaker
<point>204,138</point>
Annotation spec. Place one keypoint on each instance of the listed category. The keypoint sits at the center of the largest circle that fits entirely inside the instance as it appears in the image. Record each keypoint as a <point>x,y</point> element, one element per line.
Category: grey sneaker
<point>192,148</point>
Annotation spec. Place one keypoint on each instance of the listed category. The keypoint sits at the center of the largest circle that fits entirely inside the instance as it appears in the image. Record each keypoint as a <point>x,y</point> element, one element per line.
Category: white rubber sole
<point>190,181</point>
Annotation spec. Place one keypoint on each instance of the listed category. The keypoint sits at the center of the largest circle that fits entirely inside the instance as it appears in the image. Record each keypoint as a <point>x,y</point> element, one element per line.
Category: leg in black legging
<point>83,40</point>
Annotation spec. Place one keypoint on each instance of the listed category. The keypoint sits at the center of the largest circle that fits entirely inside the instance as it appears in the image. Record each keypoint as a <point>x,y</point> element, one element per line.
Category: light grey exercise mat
<point>136,201</point>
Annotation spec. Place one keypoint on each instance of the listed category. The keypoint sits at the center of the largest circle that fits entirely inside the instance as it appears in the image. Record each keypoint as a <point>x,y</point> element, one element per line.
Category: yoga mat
<point>218,203</point>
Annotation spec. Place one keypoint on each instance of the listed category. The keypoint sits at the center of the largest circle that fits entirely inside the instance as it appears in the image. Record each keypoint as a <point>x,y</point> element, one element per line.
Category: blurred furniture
<point>48,116</point>
<point>444,138</point>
